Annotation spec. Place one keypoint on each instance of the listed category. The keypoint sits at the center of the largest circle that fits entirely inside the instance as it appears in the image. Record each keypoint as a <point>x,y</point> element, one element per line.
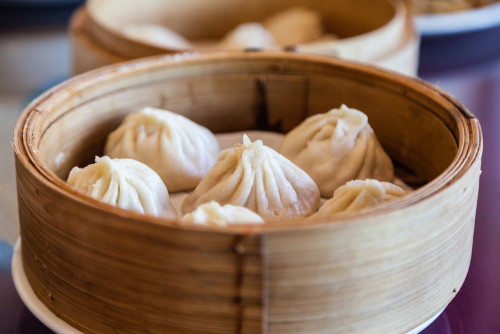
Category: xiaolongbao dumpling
<point>247,36</point>
<point>257,177</point>
<point>125,183</point>
<point>357,195</point>
<point>336,147</point>
<point>295,26</point>
<point>212,213</point>
<point>156,34</point>
<point>178,149</point>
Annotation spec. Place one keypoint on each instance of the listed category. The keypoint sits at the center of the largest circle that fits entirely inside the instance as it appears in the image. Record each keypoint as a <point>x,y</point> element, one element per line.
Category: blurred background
<point>449,43</point>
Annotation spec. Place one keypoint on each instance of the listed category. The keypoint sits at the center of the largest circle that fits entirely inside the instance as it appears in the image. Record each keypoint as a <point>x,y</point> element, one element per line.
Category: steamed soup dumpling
<point>296,25</point>
<point>212,213</point>
<point>336,147</point>
<point>357,195</point>
<point>125,183</point>
<point>257,177</point>
<point>156,34</point>
<point>247,36</point>
<point>178,149</point>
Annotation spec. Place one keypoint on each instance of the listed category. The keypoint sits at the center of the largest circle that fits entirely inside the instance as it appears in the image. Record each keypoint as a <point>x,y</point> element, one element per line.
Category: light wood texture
<point>107,270</point>
<point>85,53</point>
<point>380,32</point>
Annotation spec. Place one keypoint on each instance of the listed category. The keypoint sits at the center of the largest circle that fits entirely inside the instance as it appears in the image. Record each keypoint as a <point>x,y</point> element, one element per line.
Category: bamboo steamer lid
<point>374,31</point>
<point>387,270</point>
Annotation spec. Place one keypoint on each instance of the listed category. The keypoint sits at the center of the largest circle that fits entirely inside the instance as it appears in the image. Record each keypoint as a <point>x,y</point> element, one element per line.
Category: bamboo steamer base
<point>56,324</point>
<point>391,43</point>
<point>387,270</point>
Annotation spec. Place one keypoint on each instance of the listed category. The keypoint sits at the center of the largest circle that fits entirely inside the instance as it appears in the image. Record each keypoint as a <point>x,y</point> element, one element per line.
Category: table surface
<point>476,307</point>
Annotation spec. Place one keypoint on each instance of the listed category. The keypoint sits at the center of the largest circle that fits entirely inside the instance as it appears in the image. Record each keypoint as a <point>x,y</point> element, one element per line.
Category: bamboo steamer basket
<point>103,269</point>
<point>380,32</point>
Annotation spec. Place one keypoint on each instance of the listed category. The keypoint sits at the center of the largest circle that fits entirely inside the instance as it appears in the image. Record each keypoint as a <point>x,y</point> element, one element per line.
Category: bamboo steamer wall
<point>106,270</point>
<point>380,32</point>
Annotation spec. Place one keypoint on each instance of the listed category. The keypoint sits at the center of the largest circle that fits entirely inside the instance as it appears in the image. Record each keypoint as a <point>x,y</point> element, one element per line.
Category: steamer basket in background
<point>379,32</point>
<point>454,40</point>
<point>105,270</point>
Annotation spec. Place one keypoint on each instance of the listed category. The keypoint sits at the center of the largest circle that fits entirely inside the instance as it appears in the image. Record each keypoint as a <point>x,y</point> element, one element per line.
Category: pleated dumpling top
<point>178,149</point>
<point>125,183</point>
<point>259,178</point>
<point>358,195</point>
<point>337,147</point>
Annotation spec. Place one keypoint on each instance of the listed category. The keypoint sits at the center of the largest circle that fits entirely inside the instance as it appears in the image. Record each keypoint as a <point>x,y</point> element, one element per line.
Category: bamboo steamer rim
<point>76,28</point>
<point>410,35</point>
<point>112,40</point>
<point>25,144</point>
<point>401,21</point>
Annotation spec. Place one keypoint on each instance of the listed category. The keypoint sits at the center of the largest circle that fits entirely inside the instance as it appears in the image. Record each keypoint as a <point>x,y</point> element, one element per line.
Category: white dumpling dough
<point>357,195</point>
<point>125,183</point>
<point>257,177</point>
<point>295,26</point>
<point>178,149</point>
<point>336,147</point>
<point>247,36</point>
<point>156,34</point>
<point>212,213</point>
